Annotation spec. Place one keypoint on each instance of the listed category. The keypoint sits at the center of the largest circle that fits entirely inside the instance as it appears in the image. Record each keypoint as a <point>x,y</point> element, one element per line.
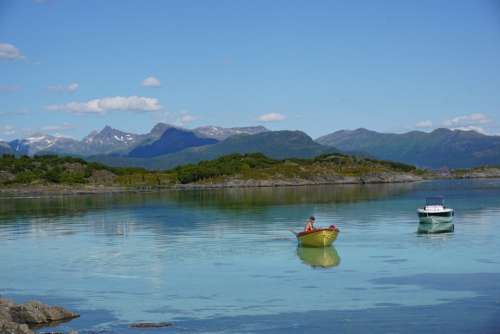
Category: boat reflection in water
<point>325,257</point>
<point>435,227</point>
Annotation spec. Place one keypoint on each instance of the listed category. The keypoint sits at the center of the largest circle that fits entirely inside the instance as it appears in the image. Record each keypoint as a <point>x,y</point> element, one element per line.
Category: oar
<point>295,233</point>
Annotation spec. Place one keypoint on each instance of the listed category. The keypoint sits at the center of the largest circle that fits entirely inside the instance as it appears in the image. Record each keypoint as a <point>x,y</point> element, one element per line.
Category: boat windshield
<point>434,201</point>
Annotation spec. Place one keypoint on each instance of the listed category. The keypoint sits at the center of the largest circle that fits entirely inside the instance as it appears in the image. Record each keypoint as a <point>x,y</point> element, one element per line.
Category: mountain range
<point>436,149</point>
<point>113,141</point>
<point>5,148</point>
<point>274,144</point>
<point>166,146</point>
<point>172,140</point>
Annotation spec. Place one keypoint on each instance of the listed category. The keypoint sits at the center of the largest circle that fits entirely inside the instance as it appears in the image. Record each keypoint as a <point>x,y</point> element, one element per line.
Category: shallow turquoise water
<point>225,260</point>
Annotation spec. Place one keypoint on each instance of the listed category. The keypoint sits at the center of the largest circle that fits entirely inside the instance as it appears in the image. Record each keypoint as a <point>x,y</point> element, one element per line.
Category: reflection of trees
<point>170,213</point>
<point>250,197</point>
<point>230,198</point>
<point>50,206</point>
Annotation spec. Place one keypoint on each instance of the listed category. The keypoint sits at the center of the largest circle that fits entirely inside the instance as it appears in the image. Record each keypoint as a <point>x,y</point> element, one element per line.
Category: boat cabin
<point>434,206</point>
<point>434,201</point>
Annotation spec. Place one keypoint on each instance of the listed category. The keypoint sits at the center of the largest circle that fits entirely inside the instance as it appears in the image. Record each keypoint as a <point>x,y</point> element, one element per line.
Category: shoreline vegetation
<point>54,175</point>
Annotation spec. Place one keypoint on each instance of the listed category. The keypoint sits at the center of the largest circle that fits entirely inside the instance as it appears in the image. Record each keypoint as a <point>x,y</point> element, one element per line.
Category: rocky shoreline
<point>319,180</point>
<point>477,173</point>
<point>21,318</point>
<point>56,189</point>
<point>235,182</point>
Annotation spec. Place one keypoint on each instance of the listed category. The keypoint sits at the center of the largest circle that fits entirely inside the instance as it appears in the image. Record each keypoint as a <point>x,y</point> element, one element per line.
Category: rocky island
<point>47,175</point>
<point>67,175</point>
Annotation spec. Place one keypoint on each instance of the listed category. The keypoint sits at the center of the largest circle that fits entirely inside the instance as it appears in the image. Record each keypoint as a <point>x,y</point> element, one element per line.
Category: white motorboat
<point>435,212</point>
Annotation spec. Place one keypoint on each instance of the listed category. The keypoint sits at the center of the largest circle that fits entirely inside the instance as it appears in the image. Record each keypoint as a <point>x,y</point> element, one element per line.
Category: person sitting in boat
<point>310,224</point>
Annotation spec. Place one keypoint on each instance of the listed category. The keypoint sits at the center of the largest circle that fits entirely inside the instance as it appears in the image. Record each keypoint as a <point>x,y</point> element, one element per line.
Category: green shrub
<point>25,177</point>
<point>54,174</point>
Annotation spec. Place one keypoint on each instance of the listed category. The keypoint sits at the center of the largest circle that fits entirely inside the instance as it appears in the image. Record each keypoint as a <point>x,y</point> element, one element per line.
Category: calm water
<point>225,261</point>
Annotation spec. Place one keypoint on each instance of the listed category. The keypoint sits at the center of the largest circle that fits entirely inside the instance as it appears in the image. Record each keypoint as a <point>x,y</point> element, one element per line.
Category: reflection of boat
<point>322,237</point>
<point>435,212</point>
<point>324,257</point>
<point>435,228</point>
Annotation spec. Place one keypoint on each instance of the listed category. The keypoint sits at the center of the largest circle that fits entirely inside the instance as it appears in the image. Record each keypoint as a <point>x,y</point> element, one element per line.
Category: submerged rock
<point>16,318</point>
<point>151,324</point>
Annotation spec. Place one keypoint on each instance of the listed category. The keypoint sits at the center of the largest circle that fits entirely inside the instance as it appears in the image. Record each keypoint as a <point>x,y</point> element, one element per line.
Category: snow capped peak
<point>110,140</point>
<point>221,133</point>
<point>37,138</point>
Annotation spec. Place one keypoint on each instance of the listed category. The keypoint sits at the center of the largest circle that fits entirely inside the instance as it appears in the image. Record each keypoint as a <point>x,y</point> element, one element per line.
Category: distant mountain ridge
<point>41,142</point>
<point>113,141</point>
<point>172,140</point>
<point>5,148</point>
<point>436,149</point>
<point>109,140</point>
<point>274,144</point>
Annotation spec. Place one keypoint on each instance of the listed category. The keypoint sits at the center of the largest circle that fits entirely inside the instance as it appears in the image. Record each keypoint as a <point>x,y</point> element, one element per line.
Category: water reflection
<point>237,198</point>
<point>325,257</point>
<point>169,256</point>
<point>227,199</point>
<point>435,228</point>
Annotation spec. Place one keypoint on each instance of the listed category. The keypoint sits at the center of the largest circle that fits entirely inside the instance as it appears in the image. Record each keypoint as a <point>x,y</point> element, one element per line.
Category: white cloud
<point>19,112</point>
<point>272,117</point>
<point>472,122</point>
<point>71,88</point>
<point>427,124</point>
<point>151,81</point>
<point>7,130</point>
<point>9,51</point>
<point>185,119</point>
<point>10,88</point>
<point>105,104</point>
<point>180,119</point>
<point>467,120</point>
<point>472,128</point>
<point>58,127</point>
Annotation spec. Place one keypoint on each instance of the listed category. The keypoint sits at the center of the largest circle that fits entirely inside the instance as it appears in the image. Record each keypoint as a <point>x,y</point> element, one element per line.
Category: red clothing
<point>309,226</point>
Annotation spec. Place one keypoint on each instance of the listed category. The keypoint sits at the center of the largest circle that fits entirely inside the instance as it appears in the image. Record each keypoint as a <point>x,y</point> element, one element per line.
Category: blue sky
<point>68,67</point>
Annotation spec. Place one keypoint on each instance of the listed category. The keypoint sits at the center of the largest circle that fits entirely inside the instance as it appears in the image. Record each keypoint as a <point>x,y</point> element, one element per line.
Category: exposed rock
<point>74,167</point>
<point>102,177</point>
<point>9,327</point>
<point>35,313</point>
<point>16,319</point>
<point>151,324</point>
<point>477,173</point>
<point>6,176</point>
<point>236,182</point>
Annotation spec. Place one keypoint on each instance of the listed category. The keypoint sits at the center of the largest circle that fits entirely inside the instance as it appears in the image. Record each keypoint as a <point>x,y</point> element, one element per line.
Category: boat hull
<point>435,217</point>
<point>435,220</point>
<point>436,228</point>
<point>317,238</point>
